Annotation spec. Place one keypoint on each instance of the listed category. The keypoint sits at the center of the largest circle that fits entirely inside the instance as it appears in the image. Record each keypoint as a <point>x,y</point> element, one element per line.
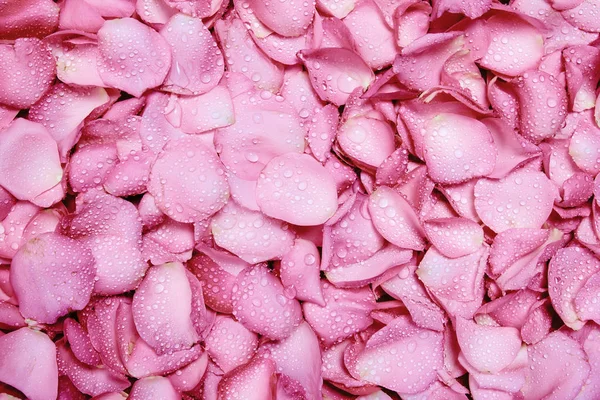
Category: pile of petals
<point>299,199</point>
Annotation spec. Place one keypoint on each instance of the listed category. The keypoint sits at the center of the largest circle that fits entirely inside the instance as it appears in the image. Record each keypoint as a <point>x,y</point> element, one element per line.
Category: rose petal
<point>454,237</point>
<point>252,381</point>
<point>230,344</point>
<point>154,387</point>
<point>290,18</point>
<point>299,271</point>
<point>367,141</point>
<point>29,18</point>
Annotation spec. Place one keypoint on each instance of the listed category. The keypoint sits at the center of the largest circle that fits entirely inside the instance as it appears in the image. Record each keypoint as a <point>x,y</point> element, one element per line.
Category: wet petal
<point>299,271</point>
<point>230,344</point>
<point>474,9</point>
<point>29,18</point>
<point>367,141</point>
<point>289,18</point>
<point>153,388</point>
<point>252,381</point>
<point>454,237</point>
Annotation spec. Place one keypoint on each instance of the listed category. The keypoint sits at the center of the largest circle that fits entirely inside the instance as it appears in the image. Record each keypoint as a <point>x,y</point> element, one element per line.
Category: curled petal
<point>367,141</point>
<point>153,388</point>
<point>299,271</point>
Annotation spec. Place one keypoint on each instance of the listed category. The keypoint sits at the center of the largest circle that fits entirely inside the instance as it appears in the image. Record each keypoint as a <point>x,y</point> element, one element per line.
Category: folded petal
<point>251,235</point>
<point>336,72</point>
<point>28,363</point>
<point>411,22</point>
<point>522,199</point>
<point>472,10</point>
<point>26,72</point>
<point>52,275</point>
<point>179,191</point>
<point>584,16</point>
<point>197,62</point>
<point>322,131</point>
<point>133,57</point>
<point>395,219</point>
<point>30,18</point>
<point>162,307</point>
<point>262,305</point>
<point>29,161</point>
<point>80,343</point>
<point>367,141</point>
<point>153,388</point>
<point>299,271</point>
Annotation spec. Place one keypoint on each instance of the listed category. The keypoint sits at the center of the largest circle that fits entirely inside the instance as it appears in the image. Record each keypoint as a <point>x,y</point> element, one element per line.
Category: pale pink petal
<point>28,363</point>
<point>584,146</point>
<point>128,64</point>
<point>169,242</point>
<point>487,348</point>
<point>455,154</point>
<point>548,379</point>
<point>29,160</point>
<point>155,129</point>
<point>26,72</point>
<point>582,74</point>
<point>411,21</point>
<point>290,18</point>
<point>265,127</point>
<point>63,109</point>
<point>153,388</point>
<point>539,322</point>
<point>262,305</point>
<point>251,235</point>
<point>230,344</point>
<point>297,189</point>
<point>162,307</point>
<point>89,380</point>
<point>382,263</point>
<point>422,356</point>
<point>584,16</point>
<point>80,343</point>
<point>195,8</point>
<point>298,357</point>
<point>395,219</point>
<point>522,199</point>
<point>367,141</point>
<point>243,56</point>
<point>198,114</point>
<point>332,33</point>
<point>188,377</point>
<point>190,196</point>
<point>568,272</point>
<point>282,49</point>
<point>420,64</point>
<point>336,72</point>
<point>473,9</point>
<point>518,49</point>
<point>336,8</point>
<point>101,323</point>
<point>253,381</point>
<point>542,105</point>
<point>197,63</point>
<point>90,166</point>
<point>8,114</point>
<point>79,15</point>
<point>154,11</point>
<point>112,229</point>
<point>347,311</point>
<point>334,371</point>
<point>36,18</point>
<point>454,237</point>
<point>322,131</point>
<point>299,271</point>
<point>12,236</point>
<point>405,286</point>
<point>52,275</point>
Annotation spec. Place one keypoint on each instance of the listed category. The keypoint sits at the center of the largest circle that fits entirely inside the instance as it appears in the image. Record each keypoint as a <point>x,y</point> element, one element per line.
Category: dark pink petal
<point>347,311</point>
<point>52,275</point>
<point>230,344</point>
<point>63,109</point>
<point>373,37</point>
<point>367,141</point>
<point>299,271</point>
<point>299,357</point>
<point>68,391</point>
<point>584,16</point>
<point>487,348</point>
<point>111,228</point>
<point>297,189</point>
<point>411,21</point>
<point>162,307</point>
<point>395,219</point>
<point>153,388</point>
<point>10,317</point>
<point>522,199</point>
<point>26,72</point>
<point>234,227</point>
<point>454,237</point>
<point>198,114</point>
<point>36,18</point>
<point>334,370</point>
<point>265,127</point>
<point>243,56</point>
<point>421,351</point>
<point>128,64</point>
<point>568,272</point>
<point>262,305</point>
<point>548,379</point>
<point>474,9</point>
<point>541,115</point>
<point>253,381</point>
<point>29,160</point>
<point>189,196</point>
<point>28,363</point>
<point>420,64</point>
<point>197,63</point>
<point>518,49</point>
<point>456,154</point>
<point>290,18</point>
<point>80,343</point>
<point>364,272</point>
<point>405,286</point>
<point>336,72</point>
